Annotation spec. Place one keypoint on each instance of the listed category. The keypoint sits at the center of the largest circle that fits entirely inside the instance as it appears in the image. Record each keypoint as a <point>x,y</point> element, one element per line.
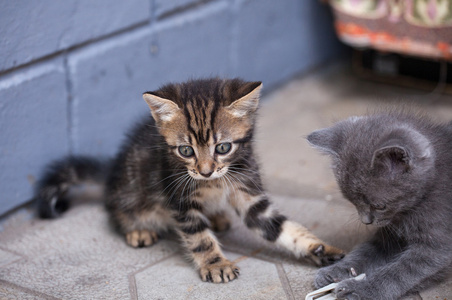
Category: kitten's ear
<point>162,109</point>
<point>393,158</point>
<point>404,149</point>
<point>327,140</point>
<point>248,103</point>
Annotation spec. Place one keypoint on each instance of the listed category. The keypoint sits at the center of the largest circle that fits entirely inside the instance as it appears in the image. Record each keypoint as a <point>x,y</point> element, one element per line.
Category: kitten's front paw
<point>331,274</point>
<point>141,238</point>
<point>219,271</point>
<point>324,255</point>
<point>352,289</point>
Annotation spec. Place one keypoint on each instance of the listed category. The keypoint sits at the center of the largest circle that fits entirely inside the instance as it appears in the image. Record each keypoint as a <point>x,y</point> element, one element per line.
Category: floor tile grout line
<point>21,256</point>
<point>284,281</point>
<point>131,277</point>
<point>27,290</point>
<point>279,268</point>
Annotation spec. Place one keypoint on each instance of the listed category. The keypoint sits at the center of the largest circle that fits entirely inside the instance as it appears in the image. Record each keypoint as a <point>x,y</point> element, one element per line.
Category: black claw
<point>320,251</point>
<point>326,261</point>
<point>140,244</point>
<point>209,277</point>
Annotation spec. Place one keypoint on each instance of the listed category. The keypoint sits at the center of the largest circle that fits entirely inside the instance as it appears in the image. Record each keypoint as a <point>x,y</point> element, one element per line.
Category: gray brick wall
<point>72,72</point>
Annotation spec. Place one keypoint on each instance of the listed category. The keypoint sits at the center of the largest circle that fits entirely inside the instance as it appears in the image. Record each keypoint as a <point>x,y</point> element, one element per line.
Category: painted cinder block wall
<point>72,72</point>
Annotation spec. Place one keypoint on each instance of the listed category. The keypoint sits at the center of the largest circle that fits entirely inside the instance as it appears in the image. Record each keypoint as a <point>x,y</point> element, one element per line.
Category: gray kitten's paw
<point>331,274</point>
<point>351,289</point>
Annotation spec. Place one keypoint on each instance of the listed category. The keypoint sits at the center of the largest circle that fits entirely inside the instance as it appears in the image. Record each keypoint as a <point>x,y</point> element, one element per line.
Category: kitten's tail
<point>56,187</point>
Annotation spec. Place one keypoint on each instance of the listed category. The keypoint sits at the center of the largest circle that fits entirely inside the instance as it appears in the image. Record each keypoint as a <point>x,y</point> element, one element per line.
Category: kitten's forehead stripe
<point>208,134</point>
<point>189,127</point>
<point>200,111</point>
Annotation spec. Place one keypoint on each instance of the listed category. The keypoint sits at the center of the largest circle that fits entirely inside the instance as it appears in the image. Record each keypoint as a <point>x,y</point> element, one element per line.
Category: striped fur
<point>183,167</point>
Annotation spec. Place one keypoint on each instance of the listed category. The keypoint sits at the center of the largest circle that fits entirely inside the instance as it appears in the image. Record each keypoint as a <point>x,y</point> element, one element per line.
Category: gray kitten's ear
<point>404,149</point>
<point>326,140</point>
<point>162,109</point>
<point>247,104</point>
<point>393,158</point>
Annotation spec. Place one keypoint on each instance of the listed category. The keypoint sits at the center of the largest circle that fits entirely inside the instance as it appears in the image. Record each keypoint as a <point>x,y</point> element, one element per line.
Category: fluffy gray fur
<point>396,168</point>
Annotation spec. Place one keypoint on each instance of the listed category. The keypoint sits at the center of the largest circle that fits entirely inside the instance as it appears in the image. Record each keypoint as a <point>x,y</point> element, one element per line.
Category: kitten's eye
<point>223,148</point>
<point>379,206</point>
<point>186,151</point>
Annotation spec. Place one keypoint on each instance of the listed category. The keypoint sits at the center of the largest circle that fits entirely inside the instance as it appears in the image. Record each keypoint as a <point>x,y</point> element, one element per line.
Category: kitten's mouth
<point>381,222</point>
<point>369,219</point>
<point>213,175</point>
<point>206,177</point>
<point>378,223</point>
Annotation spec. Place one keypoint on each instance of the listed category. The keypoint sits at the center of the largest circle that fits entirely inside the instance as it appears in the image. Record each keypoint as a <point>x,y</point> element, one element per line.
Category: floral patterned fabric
<point>413,27</point>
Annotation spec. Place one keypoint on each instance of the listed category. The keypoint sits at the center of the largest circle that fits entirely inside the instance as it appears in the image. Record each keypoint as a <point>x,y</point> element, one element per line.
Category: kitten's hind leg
<point>219,222</point>
<point>141,238</point>
<point>142,227</point>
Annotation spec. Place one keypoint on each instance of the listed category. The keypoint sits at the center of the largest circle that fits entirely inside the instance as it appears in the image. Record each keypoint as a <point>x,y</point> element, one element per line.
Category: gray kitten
<point>396,169</point>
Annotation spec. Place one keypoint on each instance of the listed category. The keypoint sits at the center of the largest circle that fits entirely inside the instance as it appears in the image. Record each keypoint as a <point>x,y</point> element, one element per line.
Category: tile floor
<point>79,256</point>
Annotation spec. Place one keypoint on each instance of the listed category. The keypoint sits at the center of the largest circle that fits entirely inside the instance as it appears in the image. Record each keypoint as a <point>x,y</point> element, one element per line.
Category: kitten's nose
<point>367,219</point>
<point>207,175</point>
<point>206,168</point>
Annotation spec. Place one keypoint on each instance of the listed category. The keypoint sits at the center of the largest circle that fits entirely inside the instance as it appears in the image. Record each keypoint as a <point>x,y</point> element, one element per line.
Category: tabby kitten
<point>181,169</point>
<point>396,169</point>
